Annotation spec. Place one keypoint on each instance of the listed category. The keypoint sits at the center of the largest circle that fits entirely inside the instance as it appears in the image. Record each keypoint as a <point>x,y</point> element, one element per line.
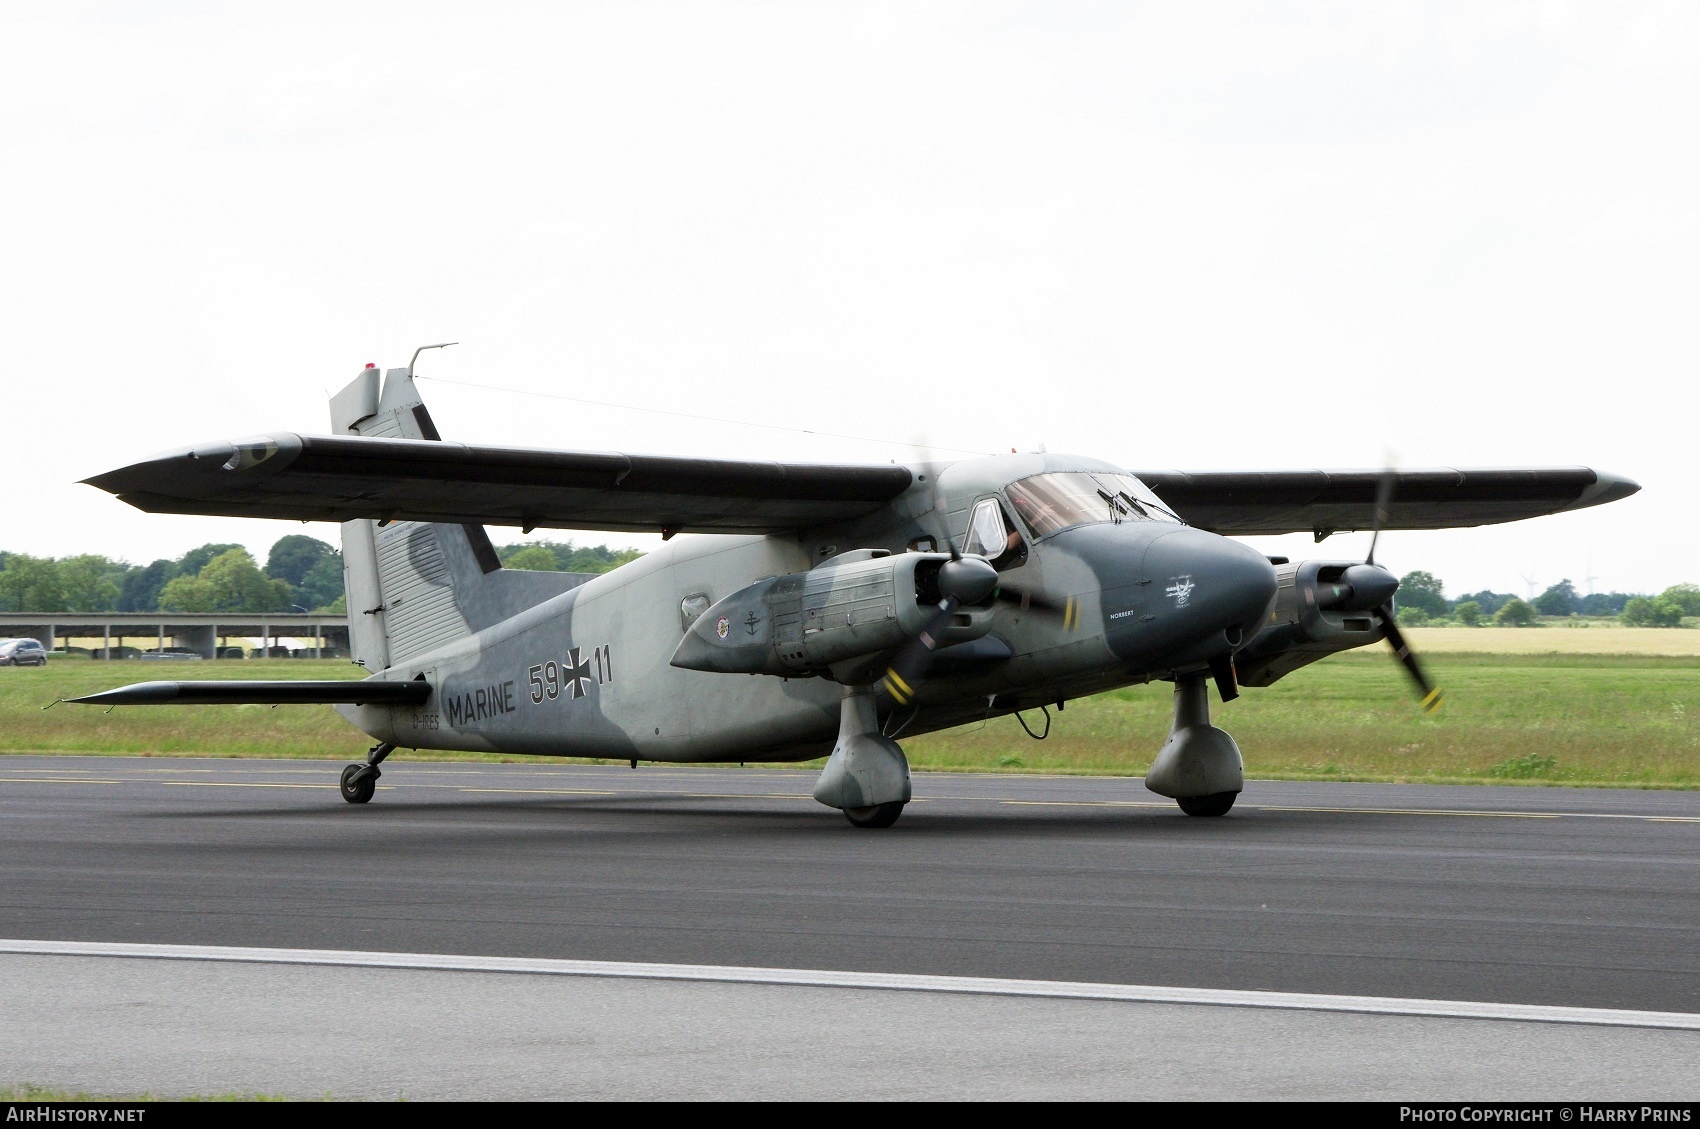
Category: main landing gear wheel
<point>359,781</point>
<point>1217,804</point>
<point>879,815</point>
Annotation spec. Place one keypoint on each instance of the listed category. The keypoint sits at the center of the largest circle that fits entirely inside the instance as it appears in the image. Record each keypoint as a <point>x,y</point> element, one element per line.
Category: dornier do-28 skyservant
<point>835,609</point>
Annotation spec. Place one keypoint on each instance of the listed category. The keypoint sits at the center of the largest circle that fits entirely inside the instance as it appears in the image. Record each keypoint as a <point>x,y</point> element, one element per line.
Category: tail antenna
<point>422,348</point>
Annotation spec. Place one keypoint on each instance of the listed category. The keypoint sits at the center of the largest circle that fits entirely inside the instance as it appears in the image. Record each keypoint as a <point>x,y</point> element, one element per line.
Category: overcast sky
<point>1182,235</point>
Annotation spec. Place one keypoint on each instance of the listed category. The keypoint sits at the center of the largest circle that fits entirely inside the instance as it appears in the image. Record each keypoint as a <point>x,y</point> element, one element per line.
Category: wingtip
<point>1607,487</point>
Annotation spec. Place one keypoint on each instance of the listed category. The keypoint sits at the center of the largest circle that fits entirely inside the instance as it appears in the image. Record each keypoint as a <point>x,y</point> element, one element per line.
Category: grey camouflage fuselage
<point>588,671</point>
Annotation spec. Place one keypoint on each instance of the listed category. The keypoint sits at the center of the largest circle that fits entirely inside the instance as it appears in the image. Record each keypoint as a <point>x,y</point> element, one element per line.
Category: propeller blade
<point>1432,697</point>
<point>908,667</point>
<point>1227,678</point>
<point>1383,501</point>
<point>937,500</point>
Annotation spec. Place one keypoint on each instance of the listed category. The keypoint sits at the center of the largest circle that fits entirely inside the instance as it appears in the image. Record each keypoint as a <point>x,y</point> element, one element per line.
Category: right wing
<point>341,477</point>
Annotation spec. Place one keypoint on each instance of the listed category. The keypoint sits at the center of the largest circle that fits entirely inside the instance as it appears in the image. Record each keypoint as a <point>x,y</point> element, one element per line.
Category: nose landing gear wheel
<point>879,815</point>
<point>359,781</point>
<point>1217,804</point>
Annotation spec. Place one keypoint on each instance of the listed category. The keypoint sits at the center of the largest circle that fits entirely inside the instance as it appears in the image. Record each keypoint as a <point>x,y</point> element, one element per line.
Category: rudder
<point>413,586</point>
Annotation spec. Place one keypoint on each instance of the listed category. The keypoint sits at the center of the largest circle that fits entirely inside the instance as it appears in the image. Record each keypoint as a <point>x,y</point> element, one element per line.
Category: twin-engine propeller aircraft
<point>863,601</point>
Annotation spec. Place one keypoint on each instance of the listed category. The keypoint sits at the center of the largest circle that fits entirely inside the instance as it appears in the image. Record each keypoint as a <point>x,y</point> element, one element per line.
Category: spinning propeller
<point>1369,587</point>
<point>962,580</point>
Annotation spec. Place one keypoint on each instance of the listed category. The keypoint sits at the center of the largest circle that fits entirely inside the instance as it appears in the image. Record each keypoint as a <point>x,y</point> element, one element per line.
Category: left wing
<point>341,477</point>
<point>1241,503</point>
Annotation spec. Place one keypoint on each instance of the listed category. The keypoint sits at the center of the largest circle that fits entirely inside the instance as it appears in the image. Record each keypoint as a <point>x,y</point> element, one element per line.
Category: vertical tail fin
<point>414,586</point>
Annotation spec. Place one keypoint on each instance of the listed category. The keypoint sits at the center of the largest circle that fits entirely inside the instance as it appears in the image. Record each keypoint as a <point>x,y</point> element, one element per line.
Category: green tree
<point>1469,613</point>
<point>1423,590</point>
<point>239,586</point>
<point>534,558</point>
<point>1684,596</point>
<point>1413,617</point>
<point>1490,602</point>
<point>1604,603</point>
<point>311,568</point>
<point>140,588</point>
<point>599,558</point>
<point>187,594</point>
<point>1514,613</point>
<point>568,557</point>
<point>294,556</point>
<point>1643,611</point>
<point>192,562</point>
<point>338,606</point>
<point>230,582</point>
<point>31,584</point>
<point>1560,599</point>
<point>90,583</point>
<point>323,583</point>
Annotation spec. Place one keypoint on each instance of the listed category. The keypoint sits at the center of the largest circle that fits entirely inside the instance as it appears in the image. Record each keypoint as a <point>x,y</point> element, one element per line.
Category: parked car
<point>22,652</point>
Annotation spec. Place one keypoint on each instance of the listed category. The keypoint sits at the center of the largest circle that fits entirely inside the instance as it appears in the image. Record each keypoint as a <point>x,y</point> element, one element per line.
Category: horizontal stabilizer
<point>342,691</point>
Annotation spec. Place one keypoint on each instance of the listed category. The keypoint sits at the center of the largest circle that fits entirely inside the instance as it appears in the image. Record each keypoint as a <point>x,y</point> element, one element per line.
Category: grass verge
<point>1612,720</point>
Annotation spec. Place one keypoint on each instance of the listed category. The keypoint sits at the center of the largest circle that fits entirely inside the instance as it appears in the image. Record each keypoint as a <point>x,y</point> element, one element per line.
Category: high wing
<point>1320,502</point>
<point>338,478</point>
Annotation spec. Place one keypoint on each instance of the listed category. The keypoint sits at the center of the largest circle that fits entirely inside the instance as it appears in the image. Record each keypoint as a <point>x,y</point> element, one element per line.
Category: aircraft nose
<point>1201,584</point>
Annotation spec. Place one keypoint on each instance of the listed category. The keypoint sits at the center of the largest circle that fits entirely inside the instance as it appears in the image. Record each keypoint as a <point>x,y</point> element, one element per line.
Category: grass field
<point>1600,719</point>
<point>1583,637</point>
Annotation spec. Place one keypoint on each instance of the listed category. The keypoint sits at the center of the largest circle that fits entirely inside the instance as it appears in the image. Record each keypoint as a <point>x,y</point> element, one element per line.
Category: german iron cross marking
<point>578,673</point>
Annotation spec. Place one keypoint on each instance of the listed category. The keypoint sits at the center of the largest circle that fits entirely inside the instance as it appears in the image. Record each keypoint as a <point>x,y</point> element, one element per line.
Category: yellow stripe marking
<point>1433,700</point>
<point>898,688</point>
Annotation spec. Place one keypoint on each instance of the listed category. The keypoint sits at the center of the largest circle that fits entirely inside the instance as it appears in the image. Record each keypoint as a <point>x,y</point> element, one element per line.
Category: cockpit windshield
<point>1049,503</point>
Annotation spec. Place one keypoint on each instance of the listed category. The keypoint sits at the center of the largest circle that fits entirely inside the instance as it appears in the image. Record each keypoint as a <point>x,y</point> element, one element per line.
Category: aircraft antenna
<point>422,348</point>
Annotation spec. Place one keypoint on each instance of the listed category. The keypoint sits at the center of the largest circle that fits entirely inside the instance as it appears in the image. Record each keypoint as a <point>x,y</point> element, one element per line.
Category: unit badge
<point>722,626</point>
<point>1180,590</point>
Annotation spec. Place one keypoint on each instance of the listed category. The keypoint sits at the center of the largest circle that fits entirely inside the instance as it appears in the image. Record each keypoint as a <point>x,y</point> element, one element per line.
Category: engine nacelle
<point>828,621</point>
<point>1302,627</point>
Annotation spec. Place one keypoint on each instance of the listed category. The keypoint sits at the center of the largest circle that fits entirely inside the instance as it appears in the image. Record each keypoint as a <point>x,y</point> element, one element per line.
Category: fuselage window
<point>691,607</point>
<point>990,536</point>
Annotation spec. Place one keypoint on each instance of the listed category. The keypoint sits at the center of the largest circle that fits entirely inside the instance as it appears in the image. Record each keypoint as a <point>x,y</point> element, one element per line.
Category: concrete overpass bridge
<point>109,634</point>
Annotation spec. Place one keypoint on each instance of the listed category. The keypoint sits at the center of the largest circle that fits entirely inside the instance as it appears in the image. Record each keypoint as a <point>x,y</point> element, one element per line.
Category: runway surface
<point>1513,895</point>
<point>176,1027</point>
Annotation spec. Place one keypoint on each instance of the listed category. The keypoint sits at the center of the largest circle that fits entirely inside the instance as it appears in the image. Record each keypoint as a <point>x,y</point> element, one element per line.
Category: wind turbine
<point>1530,581</point>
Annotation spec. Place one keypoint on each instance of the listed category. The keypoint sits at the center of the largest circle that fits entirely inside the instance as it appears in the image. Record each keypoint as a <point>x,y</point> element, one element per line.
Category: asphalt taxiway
<point>1519,896</point>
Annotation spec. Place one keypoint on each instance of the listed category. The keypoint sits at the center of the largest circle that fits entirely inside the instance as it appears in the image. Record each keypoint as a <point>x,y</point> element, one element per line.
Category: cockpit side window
<point>1050,503</point>
<point>991,535</point>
